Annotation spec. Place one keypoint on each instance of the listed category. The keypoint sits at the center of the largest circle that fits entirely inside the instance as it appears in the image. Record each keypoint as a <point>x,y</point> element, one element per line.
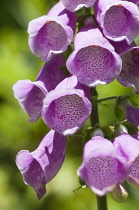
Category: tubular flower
<point>118,19</point>
<point>128,147</point>
<point>94,60</point>
<point>102,168</point>
<point>74,5</point>
<point>132,115</point>
<point>129,75</point>
<point>30,95</point>
<point>66,108</point>
<point>51,33</point>
<point>41,166</point>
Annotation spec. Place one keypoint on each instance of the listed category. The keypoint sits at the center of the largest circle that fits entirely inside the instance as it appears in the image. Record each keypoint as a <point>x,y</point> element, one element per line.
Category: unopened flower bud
<point>97,132</point>
<point>119,194</point>
<point>120,129</point>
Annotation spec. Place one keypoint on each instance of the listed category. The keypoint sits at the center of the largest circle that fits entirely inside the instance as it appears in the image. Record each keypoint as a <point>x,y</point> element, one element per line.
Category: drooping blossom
<point>129,75</point>
<point>128,147</point>
<point>52,33</point>
<point>30,95</point>
<point>66,108</point>
<point>94,60</point>
<point>119,20</point>
<point>102,168</point>
<point>74,5</point>
<point>41,166</point>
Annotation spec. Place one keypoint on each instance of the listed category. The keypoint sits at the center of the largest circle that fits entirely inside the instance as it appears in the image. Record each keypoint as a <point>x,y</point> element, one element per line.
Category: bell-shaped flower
<point>119,20</point>
<point>128,147</point>
<point>66,108</point>
<point>74,5</point>
<point>94,60</point>
<point>129,75</point>
<point>102,168</point>
<point>132,116</point>
<point>30,95</point>
<point>41,166</point>
<point>52,33</point>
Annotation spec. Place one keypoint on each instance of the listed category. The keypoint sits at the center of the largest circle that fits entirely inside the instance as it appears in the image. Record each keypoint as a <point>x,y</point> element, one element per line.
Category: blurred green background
<point>17,62</point>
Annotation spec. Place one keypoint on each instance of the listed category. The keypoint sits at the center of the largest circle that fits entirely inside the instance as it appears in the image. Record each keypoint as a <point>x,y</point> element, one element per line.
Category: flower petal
<point>41,166</point>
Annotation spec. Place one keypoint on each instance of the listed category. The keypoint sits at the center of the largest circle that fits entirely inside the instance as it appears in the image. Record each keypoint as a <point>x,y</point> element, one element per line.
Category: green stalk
<point>94,119</point>
<point>102,203</point>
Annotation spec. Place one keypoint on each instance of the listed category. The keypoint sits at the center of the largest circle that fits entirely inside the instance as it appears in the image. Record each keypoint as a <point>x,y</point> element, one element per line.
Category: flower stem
<point>115,97</point>
<point>102,203</point>
<point>94,119</point>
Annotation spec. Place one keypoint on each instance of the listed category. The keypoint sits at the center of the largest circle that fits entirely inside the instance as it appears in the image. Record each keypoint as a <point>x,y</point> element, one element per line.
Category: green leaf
<point>118,110</point>
<point>134,103</point>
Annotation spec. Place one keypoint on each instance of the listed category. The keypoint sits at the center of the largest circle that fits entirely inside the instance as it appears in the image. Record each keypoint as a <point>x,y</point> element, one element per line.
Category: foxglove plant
<point>64,94</point>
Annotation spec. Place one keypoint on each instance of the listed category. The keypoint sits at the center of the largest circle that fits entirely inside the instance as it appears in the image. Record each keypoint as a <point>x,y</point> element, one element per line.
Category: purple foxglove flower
<point>129,75</point>
<point>41,166</point>
<point>66,108</point>
<point>132,115</point>
<point>102,168</point>
<point>128,147</point>
<point>31,94</point>
<point>51,33</point>
<point>118,19</point>
<point>94,60</point>
<point>74,5</point>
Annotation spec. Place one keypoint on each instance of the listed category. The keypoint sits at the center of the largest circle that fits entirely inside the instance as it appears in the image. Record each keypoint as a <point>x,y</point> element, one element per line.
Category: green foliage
<point>16,133</point>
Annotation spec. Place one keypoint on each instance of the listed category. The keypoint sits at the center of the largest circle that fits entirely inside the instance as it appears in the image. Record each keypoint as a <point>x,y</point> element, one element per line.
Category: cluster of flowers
<point>104,49</point>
